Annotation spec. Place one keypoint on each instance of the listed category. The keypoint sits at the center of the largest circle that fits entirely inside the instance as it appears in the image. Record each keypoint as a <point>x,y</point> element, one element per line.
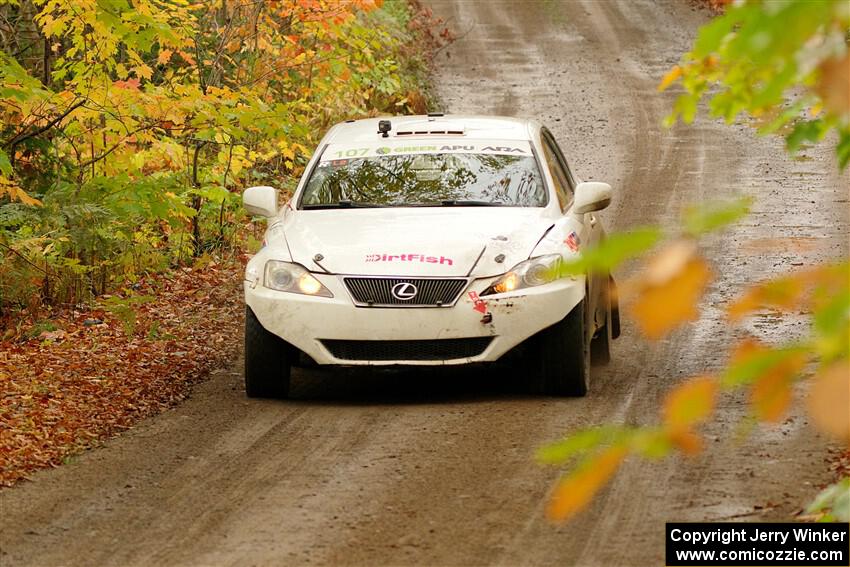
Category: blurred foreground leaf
<point>707,217</point>
<point>577,489</point>
<point>668,291</point>
<point>612,251</point>
<point>829,400</point>
<point>833,502</point>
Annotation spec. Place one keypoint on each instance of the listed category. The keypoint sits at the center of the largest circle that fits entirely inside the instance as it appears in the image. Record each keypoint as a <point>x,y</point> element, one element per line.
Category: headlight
<point>533,272</point>
<point>295,278</point>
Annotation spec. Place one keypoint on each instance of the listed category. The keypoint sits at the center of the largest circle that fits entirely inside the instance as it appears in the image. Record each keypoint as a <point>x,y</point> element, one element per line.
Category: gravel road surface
<point>436,468</point>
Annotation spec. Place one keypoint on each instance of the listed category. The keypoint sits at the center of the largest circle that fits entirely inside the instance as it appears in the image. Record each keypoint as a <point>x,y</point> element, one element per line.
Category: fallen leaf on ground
<point>60,397</point>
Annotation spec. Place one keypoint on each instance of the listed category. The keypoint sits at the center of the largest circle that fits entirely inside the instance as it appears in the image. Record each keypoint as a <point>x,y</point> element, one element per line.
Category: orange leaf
<point>575,491</point>
<point>745,350</point>
<point>771,392</point>
<point>690,403</point>
<point>833,78</point>
<point>686,441</point>
<point>783,293</point>
<point>829,400</point>
<point>164,56</point>
<point>671,76</point>
<point>670,290</point>
<point>788,292</point>
<point>130,84</point>
<point>186,57</point>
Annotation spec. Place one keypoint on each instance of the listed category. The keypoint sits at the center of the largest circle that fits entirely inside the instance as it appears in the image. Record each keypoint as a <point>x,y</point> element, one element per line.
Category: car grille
<point>435,349</point>
<point>425,292</point>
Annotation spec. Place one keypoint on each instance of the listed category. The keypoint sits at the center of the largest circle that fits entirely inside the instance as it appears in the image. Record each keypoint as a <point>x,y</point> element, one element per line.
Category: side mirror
<point>260,201</point>
<point>591,196</point>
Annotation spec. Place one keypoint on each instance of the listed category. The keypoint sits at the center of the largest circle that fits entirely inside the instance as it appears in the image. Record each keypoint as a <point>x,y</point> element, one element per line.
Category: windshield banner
<point>401,147</point>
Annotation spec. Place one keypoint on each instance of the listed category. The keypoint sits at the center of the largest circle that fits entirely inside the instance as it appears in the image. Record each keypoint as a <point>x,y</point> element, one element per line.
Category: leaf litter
<point>100,369</point>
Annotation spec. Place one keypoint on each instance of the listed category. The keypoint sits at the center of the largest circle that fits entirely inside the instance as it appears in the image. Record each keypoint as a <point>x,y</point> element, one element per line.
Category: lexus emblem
<point>404,291</point>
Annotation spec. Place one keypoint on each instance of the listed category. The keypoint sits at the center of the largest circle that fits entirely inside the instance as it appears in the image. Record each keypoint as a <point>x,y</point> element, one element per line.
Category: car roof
<point>448,126</point>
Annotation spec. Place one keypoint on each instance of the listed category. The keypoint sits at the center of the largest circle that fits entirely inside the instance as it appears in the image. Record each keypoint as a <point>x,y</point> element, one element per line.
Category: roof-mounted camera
<point>384,127</point>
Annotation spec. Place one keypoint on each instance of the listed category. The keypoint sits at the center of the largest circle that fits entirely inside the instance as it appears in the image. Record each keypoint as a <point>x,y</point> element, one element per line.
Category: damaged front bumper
<point>334,331</point>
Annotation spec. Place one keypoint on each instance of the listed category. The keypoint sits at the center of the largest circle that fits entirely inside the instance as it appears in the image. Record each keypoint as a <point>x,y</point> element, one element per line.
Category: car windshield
<point>426,179</point>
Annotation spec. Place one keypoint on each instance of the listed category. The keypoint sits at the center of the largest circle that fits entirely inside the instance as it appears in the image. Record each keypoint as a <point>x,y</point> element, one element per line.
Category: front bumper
<point>306,321</point>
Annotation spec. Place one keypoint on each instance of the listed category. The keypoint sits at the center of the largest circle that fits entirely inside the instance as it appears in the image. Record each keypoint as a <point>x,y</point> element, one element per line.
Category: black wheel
<point>600,345</point>
<point>562,356</point>
<point>614,296</point>
<point>268,359</point>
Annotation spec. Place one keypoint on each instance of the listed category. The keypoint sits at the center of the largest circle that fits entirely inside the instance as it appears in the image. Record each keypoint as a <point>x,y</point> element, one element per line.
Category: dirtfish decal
<point>409,258</point>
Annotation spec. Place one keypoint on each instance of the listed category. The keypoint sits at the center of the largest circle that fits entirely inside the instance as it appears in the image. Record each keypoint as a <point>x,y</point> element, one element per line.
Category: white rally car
<point>429,240</point>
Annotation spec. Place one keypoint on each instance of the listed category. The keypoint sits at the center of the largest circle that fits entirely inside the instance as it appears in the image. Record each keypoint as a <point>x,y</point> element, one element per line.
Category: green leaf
<point>711,35</point>
<point>843,149</point>
<point>582,442</point>
<point>708,217</point>
<point>651,443</point>
<point>612,251</point>
<point>808,131</point>
<point>752,367</point>
<point>834,501</point>
<point>5,165</point>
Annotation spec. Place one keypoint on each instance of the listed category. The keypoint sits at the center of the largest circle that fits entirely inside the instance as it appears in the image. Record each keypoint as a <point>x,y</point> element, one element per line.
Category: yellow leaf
<point>575,491</point>
<point>690,403</point>
<point>11,190</point>
<point>671,76</point>
<point>164,56</point>
<point>143,71</point>
<point>770,395</point>
<point>829,400</point>
<point>670,289</point>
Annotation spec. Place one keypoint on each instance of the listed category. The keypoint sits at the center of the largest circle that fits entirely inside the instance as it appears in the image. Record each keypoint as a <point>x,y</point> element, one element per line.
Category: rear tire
<point>268,361</point>
<point>562,356</point>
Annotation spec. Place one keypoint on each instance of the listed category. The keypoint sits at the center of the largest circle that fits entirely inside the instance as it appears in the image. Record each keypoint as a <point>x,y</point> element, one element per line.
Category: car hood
<point>437,241</point>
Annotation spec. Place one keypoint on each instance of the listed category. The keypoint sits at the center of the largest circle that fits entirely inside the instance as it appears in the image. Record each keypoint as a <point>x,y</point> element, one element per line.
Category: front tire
<point>600,345</point>
<point>563,356</point>
<point>268,361</point>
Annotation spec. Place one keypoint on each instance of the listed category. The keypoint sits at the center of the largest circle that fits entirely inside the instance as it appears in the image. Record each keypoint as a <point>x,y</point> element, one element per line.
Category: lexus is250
<point>430,240</point>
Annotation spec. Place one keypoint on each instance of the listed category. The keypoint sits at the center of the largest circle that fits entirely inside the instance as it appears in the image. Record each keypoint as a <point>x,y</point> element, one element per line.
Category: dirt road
<point>436,468</point>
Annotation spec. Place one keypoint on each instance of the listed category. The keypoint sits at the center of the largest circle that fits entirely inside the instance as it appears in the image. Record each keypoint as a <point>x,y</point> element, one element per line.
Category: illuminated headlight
<point>531,273</point>
<point>295,278</point>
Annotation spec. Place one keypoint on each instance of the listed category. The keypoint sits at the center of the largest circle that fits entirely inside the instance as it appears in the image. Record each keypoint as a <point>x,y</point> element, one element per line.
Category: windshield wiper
<point>343,204</point>
<point>461,203</point>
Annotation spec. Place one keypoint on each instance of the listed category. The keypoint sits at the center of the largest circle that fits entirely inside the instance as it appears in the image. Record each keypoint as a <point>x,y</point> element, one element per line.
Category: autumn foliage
<point>130,128</point>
